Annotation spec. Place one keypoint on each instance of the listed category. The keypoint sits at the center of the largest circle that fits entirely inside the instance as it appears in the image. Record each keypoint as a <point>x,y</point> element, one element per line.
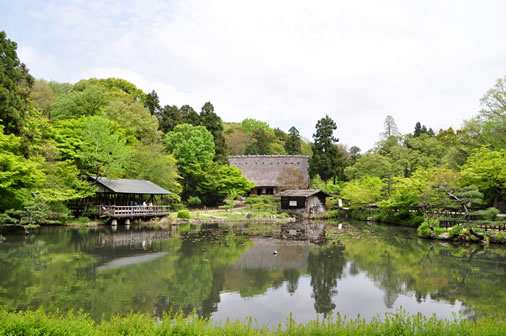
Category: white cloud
<point>285,62</point>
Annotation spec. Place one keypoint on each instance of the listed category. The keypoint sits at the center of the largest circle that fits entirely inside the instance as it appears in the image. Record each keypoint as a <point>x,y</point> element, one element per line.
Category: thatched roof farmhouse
<point>274,173</point>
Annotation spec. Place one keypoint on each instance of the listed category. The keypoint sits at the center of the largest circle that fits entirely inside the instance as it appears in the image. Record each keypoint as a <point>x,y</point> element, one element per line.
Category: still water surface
<point>223,272</point>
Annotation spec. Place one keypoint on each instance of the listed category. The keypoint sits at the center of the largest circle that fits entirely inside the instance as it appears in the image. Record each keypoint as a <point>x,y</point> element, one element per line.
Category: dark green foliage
<point>326,155</point>
<point>213,123</point>
<point>15,84</point>
<point>293,142</point>
<point>168,118</point>
<point>260,144</point>
<point>189,116</point>
<point>152,102</point>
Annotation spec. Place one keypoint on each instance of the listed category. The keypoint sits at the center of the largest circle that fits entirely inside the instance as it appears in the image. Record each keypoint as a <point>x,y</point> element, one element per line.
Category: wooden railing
<point>133,211</point>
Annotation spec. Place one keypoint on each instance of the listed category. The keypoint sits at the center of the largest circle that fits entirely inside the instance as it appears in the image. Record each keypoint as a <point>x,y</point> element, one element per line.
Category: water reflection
<point>221,272</point>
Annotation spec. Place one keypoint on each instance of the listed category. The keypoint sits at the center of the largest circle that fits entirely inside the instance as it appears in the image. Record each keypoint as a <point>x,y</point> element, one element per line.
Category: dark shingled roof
<point>264,170</point>
<point>302,193</point>
<point>126,186</point>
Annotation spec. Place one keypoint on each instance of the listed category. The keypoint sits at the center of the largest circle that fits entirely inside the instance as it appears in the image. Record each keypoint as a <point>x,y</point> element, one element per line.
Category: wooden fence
<point>133,211</point>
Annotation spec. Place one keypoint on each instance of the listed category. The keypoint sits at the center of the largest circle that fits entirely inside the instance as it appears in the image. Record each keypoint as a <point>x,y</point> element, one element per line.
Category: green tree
<point>213,123</point>
<point>18,175</point>
<point>104,151</point>
<point>190,144</point>
<point>193,148</point>
<point>169,117</point>
<point>260,145</point>
<point>368,189</point>
<point>134,118</point>
<point>293,142</point>
<point>250,125</point>
<point>326,155</point>
<point>486,169</point>
<point>152,103</point>
<point>42,97</point>
<point>15,84</point>
<point>151,162</point>
<point>82,100</point>
<point>189,116</point>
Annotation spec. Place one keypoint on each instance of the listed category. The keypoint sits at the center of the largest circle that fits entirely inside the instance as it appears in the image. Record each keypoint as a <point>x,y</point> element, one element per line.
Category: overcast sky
<point>285,62</point>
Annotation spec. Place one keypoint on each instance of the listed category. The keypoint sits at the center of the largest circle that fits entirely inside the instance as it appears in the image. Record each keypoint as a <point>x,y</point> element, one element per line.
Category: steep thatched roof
<point>264,170</point>
<point>126,186</point>
<point>303,193</point>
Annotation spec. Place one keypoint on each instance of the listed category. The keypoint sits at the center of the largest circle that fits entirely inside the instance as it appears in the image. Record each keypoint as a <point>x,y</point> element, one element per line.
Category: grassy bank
<point>42,323</point>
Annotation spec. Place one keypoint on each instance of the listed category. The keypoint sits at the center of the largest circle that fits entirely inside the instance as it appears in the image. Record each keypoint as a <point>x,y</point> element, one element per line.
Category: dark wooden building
<point>125,198</point>
<point>310,201</point>
<point>267,171</point>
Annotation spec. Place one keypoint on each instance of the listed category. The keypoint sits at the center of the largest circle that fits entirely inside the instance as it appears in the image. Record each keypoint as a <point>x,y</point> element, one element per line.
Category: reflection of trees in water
<point>292,279</point>
<point>472,274</point>
<point>325,267</point>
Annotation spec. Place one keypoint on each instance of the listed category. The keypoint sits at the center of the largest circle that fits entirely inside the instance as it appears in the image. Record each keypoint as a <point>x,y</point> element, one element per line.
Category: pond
<point>232,272</point>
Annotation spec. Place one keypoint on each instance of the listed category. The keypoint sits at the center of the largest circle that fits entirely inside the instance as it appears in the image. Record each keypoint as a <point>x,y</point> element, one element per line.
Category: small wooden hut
<point>310,201</point>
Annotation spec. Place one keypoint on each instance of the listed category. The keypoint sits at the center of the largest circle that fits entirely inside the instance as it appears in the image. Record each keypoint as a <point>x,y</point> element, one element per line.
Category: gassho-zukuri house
<point>126,198</point>
<point>268,171</point>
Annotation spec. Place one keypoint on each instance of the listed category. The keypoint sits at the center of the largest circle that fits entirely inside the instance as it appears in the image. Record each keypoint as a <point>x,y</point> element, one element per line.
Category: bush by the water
<point>424,228</point>
<point>184,214</point>
<point>401,323</point>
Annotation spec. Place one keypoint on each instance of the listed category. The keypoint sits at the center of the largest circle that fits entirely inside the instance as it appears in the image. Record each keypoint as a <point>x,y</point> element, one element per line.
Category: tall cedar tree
<point>213,123</point>
<point>326,155</point>
<point>293,142</point>
<point>15,84</point>
<point>170,117</point>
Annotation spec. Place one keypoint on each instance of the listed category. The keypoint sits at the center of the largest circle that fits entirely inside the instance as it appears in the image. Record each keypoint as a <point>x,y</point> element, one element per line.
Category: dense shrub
<point>184,214</point>
<point>194,201</point>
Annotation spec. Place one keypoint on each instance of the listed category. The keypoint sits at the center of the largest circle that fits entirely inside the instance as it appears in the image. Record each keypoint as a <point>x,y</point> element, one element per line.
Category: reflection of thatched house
<point>311,201</point>
<point>273,173</point>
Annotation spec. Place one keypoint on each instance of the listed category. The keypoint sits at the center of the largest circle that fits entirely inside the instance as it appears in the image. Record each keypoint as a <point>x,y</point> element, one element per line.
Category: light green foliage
<point>218,181</point>
<point>368,189</point>
<point>35,209</point>
<point>42,96</point>
<point>136,119</point>
<point>152,163</point>
<point>486,169</point>
<point>104,152</point>
<point>115,87</point>
<point>330,186</point>
<point>371,164</point>
<point>62,182</point>
<point>190,145</point>
<point>250,125</point>
<point>236,138</point>
<point>89,101</point>
<point>194,201</point>
<point>184,214</point>
<point>18,175</point>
